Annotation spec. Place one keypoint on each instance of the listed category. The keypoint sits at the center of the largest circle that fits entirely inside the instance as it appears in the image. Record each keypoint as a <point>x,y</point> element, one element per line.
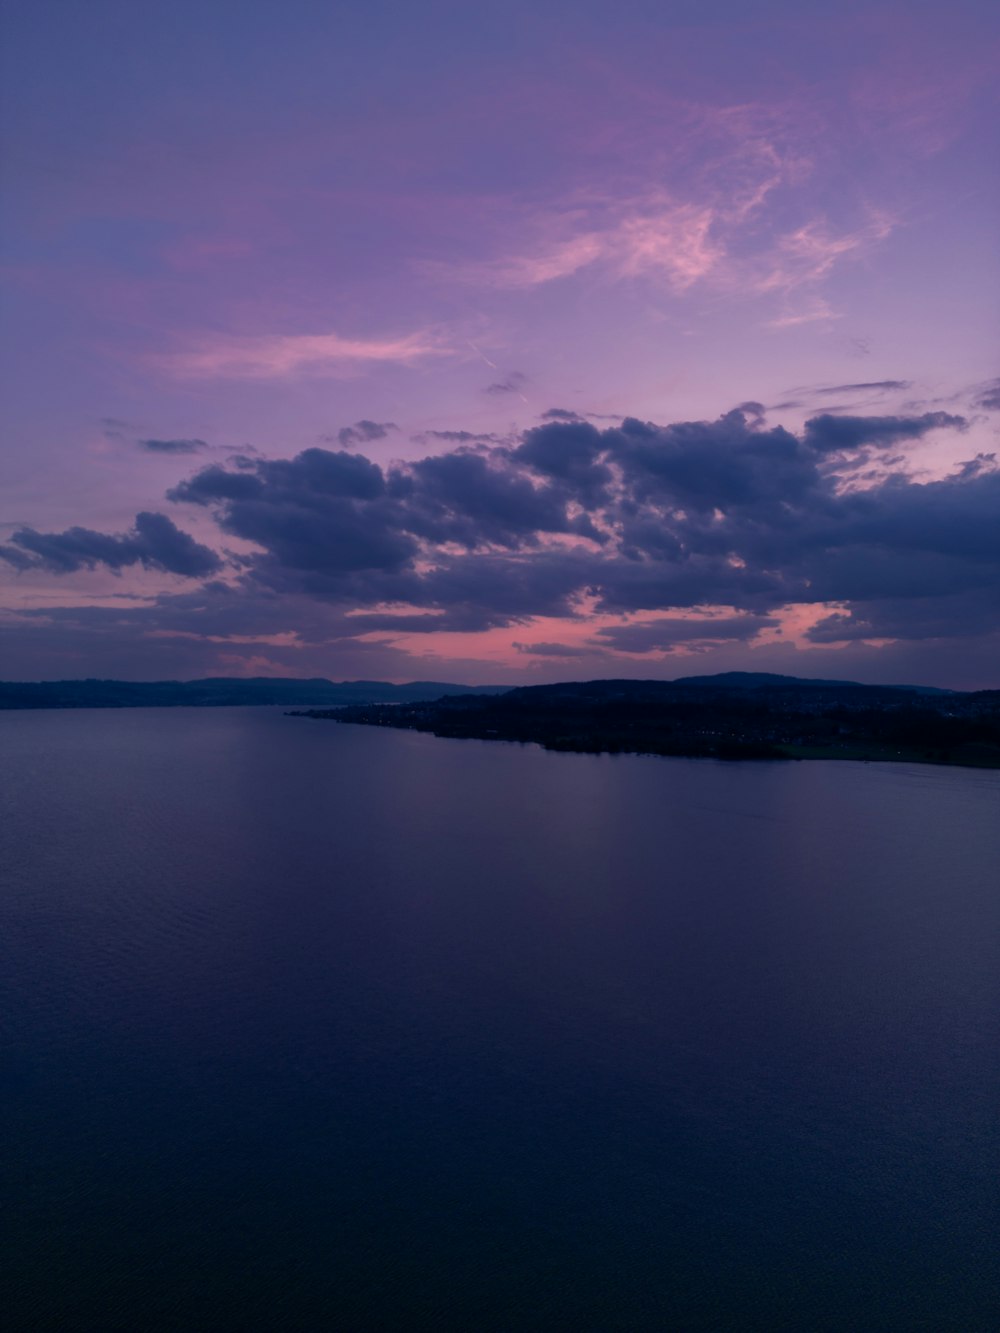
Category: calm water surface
<point>320,1027</point>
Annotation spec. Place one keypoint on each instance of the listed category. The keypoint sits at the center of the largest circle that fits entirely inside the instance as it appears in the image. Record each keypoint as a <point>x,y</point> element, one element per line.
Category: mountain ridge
<point>223,691</point>
<point>319,691</point>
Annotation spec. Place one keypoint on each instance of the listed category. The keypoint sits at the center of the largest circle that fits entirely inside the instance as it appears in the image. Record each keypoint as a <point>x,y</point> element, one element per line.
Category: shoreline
<point>725,750</point>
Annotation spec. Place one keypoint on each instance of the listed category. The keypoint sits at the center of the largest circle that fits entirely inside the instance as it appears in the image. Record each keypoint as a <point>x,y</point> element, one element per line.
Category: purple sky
<point>321,322</point>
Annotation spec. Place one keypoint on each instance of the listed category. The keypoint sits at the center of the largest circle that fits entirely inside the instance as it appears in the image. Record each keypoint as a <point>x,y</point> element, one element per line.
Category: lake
<point>309,1026</point>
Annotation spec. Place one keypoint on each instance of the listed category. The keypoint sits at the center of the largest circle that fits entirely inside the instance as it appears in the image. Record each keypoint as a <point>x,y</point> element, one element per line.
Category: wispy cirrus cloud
<point>646,238</point>
<point>865,386</point>
<point>551,260</point>
<point>678,243</point>
<point>814,312</point>
<point>731,209</point>
<point>681,245</point>
<point>283,356</point>
<point>808,253</point>
<point>796,266</point>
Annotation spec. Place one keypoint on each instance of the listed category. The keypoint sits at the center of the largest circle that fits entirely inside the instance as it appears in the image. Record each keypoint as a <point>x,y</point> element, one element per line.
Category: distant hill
<point>757,683</point>
<point>756,680</point>
<point>223,691</point>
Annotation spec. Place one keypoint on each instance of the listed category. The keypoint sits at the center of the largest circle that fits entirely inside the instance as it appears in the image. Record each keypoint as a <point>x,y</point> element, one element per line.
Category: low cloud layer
<point>572,521</point>
<point>666,633</point>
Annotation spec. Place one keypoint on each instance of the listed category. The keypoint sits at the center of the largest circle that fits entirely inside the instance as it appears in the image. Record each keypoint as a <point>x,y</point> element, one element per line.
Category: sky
<point>500,343</point>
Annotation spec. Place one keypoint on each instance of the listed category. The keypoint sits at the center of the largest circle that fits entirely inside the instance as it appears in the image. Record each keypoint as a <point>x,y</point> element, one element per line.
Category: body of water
<point>310,1026</point>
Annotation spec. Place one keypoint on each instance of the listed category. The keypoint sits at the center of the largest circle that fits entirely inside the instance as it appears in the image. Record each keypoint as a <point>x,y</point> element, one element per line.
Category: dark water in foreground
<point>320,1027</point>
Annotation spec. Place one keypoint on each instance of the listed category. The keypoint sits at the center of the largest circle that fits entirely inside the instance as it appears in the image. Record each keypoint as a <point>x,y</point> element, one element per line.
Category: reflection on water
<point>314,1026</point>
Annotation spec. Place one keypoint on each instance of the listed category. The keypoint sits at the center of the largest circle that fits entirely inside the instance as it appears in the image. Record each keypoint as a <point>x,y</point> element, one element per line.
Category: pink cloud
<point>286,639</point>
<point>282,356</point>
<point>673,242</point>
<point>714,241</point>
<point>810,252</point>
<point>549,262</point>
<point>649,238</point>
<point>816,311</point>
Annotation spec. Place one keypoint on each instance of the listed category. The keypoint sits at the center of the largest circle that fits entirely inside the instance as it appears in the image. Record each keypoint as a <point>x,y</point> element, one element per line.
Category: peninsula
<point>736,715</point>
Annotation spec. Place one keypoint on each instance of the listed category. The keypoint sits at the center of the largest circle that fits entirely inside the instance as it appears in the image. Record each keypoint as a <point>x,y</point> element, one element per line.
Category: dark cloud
<point>478,499</point>
<point>976,467</point>
<point>988,397</point>
<point>363,432</point>
<point>669,632</point>
<point>154,542</point>
<point>691,579</point>
<point>419,622</point>
<point>560,414</point>
<point>217,483</point>
<point>911,618</point>
<point>828,434</point>
<point>704,466</point>
<point>458,436</point>
<point>490,589</point>
<point>624,518</point>
<point>568,453</point>
<point>172,446</point>
<point>321,513</point>
<point>753,411</point>
<point>554,650</point>
<point>17,558</point>
<point>881,386</point>
<point>685,515</point>
<point>329,517</point>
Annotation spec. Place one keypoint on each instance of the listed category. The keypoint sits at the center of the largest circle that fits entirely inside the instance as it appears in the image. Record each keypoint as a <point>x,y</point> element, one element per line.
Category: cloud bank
<point>685,535</point>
